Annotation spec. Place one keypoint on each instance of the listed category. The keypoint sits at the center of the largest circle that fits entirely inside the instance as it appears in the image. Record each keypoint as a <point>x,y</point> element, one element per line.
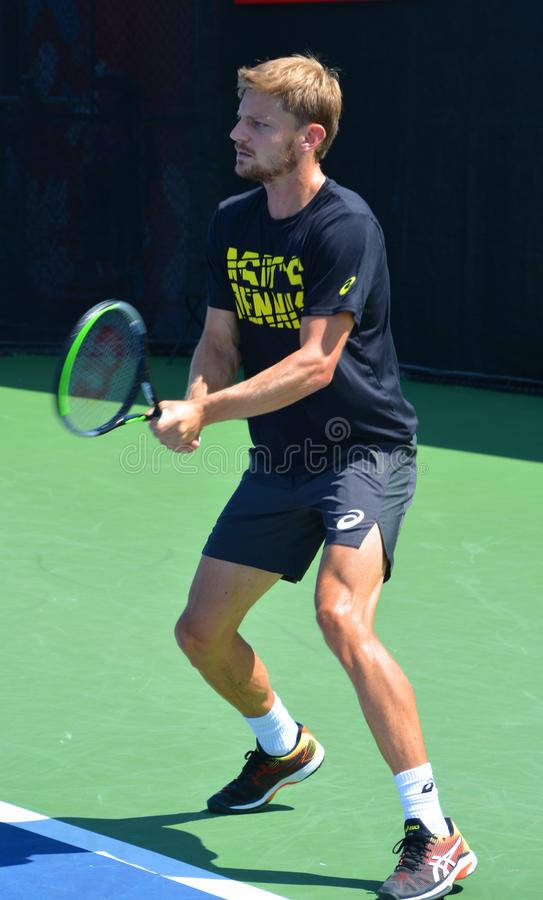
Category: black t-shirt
<point>325,259</point>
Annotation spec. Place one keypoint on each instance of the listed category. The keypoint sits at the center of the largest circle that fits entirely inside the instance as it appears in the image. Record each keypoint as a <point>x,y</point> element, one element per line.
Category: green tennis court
<point>106,726</point>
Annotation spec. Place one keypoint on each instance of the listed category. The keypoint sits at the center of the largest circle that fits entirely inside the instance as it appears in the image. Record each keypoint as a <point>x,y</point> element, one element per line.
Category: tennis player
<point>299,293</point>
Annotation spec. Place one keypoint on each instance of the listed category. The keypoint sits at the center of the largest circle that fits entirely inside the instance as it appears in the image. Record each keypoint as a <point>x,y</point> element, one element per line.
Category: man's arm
<point>214,365</point>
<point>322,339</point>
<point>303,372</point>
<point>215,361</point>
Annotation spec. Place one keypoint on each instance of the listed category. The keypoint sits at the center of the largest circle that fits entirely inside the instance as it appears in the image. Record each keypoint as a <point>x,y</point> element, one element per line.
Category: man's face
<point>264,138</point>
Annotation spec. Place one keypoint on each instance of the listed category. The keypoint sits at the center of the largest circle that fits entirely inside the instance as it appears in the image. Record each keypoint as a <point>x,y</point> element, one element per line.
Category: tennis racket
<point>103,368</point>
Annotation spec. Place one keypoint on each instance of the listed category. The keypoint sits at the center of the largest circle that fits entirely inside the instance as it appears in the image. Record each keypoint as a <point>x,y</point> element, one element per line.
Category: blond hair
<point>307,89</point>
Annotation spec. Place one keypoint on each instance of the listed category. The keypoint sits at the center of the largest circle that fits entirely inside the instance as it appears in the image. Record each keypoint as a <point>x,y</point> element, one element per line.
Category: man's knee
<point>182,632</point>
<point>348,588</point>
<point>334,618</point>
<point>350,638</point>
<point>192,630</point>
<point>344,619</point>
<point>197,642</point>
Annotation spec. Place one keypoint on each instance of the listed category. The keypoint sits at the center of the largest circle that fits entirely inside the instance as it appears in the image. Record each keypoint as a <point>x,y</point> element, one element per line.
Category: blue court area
<point>34,865</point>
<point>45,858</point>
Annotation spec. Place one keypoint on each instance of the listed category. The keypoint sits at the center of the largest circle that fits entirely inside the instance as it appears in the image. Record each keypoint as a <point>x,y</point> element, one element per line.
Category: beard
<point>281,164</point>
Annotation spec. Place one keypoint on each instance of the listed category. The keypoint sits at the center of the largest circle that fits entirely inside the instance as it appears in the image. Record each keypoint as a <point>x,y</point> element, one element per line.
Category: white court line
<point>130,855</point>
<point>13,815</point>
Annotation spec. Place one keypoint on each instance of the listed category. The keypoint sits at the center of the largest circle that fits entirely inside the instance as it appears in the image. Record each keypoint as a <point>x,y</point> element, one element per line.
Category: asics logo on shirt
<point>350,519</point>
<point>345,288</point>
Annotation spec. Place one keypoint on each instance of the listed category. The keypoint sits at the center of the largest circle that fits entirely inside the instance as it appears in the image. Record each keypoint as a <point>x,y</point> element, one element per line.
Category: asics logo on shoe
<point>350,519</point>
<point>441,865</point>
<point>429,786</point>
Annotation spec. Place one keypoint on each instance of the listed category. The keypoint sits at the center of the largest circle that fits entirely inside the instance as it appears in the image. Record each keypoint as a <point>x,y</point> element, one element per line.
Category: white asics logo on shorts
<point>352,518</point>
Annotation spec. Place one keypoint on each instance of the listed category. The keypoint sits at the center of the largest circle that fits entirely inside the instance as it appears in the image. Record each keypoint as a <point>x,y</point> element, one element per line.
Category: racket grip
<point>155,414</point>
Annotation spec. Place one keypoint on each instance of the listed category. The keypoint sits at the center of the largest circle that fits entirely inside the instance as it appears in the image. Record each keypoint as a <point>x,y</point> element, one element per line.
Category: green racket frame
<point>141,378</point>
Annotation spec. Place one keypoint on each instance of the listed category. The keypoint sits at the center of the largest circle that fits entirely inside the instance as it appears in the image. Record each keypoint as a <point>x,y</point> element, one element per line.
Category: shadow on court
<point>453,417</point>
<point>162,835</point>
<point>17,846</point>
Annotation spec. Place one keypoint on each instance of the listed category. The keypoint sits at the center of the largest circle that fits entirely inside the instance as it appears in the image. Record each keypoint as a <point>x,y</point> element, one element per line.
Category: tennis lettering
<point>268,289</point>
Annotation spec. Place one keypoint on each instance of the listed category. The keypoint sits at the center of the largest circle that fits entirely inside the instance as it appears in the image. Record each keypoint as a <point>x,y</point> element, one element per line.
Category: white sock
<point>420,798</point>
<point>276,732</point>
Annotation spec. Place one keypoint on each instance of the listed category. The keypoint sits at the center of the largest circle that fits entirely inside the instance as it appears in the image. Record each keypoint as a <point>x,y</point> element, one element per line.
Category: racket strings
<point>104,371</point>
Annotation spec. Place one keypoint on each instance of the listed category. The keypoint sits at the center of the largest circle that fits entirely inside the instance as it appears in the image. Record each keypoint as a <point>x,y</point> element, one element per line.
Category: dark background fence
<point>109,122</point>
<point>114,119</point>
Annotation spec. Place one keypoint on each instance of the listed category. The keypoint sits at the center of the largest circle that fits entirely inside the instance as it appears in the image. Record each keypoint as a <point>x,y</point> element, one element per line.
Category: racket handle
<point>141,417</point>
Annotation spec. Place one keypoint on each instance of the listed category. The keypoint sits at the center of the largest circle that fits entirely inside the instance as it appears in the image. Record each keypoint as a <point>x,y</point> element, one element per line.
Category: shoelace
<point>253,767</point>
<point>413,848</point>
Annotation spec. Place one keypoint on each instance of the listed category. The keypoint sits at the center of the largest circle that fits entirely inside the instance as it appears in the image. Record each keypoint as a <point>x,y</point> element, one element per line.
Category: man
<point>299,290</point>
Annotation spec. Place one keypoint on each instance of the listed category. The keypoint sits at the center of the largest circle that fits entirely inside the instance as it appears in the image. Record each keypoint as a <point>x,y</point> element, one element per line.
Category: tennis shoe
<point>263,775</point>
<point>429,863</point>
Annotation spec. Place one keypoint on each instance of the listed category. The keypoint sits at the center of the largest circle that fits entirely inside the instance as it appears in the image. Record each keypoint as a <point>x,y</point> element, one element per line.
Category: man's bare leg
<point>348,587</point>
<point>207,631</point>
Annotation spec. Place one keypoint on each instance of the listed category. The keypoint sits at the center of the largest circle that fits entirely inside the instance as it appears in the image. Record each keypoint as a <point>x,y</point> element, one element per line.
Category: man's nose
<point>239,132</point>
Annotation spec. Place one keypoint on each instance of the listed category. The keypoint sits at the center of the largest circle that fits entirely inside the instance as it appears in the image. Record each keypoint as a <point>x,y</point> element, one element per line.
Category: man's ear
<point>312,137</point>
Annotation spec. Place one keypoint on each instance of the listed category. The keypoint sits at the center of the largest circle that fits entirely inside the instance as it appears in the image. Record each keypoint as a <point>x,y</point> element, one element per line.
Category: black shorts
<point>278,522</point>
